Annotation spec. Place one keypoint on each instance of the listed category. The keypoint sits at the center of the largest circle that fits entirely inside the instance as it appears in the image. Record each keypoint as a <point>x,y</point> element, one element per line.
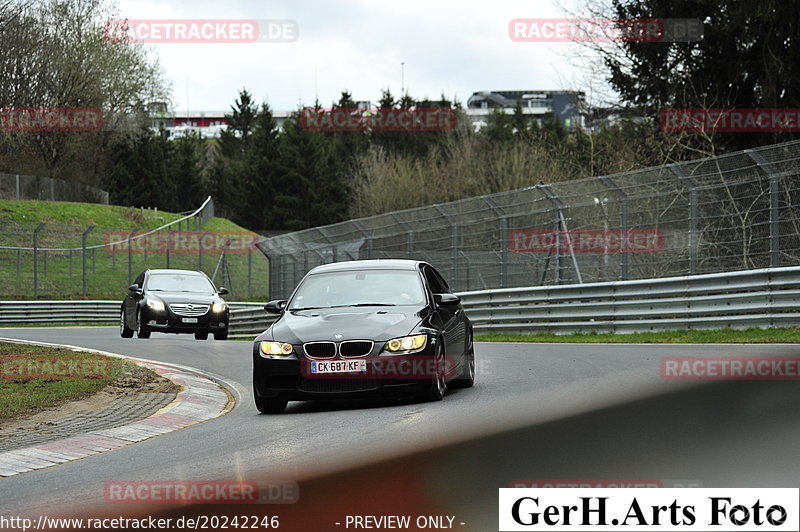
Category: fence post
<point>774,207</point>
<point>36,259</point>
<point>561,221</point>
<point>19,263</point>
<point>623,222</point>
<point>17,176</point>
<point>169,244</point>
<point>70,263</point>
<point>130,256</point>
<point>249,271</point>
<point>83,253</point>
<point>692,184</point>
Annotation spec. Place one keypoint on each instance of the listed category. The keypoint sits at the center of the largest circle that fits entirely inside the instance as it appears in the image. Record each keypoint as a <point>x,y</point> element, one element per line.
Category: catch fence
<point>738,211</point>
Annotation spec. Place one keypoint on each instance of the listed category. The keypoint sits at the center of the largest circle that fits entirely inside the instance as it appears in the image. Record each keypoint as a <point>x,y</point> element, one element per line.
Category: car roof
<point>372,264</point>
<point>182,272</point>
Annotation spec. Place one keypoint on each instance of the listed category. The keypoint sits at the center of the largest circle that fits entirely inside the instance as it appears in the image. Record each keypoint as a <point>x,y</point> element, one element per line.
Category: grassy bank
<point>60,274</point>
<point>33,378</point>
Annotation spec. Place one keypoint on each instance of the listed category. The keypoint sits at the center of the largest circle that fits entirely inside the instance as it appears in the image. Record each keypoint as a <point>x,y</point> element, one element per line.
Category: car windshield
<point>179,282</point>
<point>359,288</point>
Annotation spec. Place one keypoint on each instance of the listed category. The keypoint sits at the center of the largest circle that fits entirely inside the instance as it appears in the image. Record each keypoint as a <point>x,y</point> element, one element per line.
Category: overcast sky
<point>451,47</point>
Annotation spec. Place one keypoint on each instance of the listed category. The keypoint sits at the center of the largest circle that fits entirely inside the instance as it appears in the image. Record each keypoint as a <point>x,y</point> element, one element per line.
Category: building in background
<point>567,106</point>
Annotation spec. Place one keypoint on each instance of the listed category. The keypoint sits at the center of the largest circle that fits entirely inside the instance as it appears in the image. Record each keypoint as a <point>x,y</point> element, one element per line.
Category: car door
<point>131,303</point>
<point>448,318</point>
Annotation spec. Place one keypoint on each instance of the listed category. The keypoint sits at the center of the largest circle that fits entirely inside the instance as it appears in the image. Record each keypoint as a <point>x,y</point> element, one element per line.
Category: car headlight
<point>219,306</point>
<point>407,344</point>
<point>155,304</point>
<point>275,349</point>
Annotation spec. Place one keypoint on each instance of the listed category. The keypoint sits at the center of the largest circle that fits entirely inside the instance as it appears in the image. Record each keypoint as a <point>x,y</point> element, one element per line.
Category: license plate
<point>338,366</point>
<point>189,320</point>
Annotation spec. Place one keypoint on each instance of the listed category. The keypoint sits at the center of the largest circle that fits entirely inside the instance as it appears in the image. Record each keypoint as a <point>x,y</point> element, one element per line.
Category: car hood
<point>378,323</point>
<point>184,297</point>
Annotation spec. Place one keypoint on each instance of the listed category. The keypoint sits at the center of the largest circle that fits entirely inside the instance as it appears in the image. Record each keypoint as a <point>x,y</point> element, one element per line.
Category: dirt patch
<point>137,380</point>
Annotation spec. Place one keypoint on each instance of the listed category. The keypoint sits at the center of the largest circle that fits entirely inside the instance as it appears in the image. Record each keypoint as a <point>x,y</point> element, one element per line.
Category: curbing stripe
<point>202,398</point>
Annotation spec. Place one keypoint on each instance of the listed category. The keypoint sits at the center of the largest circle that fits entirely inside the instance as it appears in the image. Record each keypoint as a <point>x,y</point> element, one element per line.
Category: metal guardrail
<point>247,319</point>
<point>768,297</point>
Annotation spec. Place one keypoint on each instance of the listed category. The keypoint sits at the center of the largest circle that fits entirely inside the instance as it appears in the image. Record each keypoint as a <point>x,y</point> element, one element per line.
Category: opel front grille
<point>190,309</point>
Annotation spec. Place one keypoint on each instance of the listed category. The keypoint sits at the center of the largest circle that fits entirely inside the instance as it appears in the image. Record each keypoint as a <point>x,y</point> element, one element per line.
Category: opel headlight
<point>407,344</point>
<point>155,304</point>
<point>219,306</point>
<point>275,349</point>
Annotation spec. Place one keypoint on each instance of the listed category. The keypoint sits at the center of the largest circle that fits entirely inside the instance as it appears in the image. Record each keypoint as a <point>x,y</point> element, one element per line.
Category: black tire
<point>270,405</point>
<point>438,384</point>
<point>201,335</point>
<point>124,331</point>
<point>467,377</point>
<point>221,335</point>
<point>141,329</point>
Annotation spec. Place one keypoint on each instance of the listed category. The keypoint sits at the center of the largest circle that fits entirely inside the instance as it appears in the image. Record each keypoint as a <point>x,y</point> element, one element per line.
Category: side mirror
<point>446,300</point>
<point>135,288</point>
<point>223,291</point>
<point>275,307</point>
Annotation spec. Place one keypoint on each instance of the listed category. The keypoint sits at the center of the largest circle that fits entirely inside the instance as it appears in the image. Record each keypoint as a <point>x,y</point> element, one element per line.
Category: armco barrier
<point>768,297</point>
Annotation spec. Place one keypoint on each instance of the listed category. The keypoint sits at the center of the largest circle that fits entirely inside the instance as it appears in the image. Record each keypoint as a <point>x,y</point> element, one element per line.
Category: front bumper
<point>167,321</point>
<point>291,379</point>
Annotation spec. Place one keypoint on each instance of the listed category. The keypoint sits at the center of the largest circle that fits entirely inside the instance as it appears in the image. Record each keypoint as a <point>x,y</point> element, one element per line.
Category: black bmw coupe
<point>364,328</point>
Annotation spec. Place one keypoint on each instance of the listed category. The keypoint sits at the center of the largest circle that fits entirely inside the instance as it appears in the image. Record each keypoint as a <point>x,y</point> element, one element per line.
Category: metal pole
<point>169,243</point>
<point>70,264</point>
<point>36,260</point>
<point>130,257</point>
<point>561,221</point>
<point>774,207</point>
<point>692,184</point>
<point>623,223</point>
<point>504,252</point>
<point>19,263</point>
<point>83,254</point>
<point>249,271</point>
<point>17,176</point>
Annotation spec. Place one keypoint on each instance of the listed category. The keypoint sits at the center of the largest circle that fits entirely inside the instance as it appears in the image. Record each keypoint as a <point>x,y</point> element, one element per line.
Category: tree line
<point>53,54</point>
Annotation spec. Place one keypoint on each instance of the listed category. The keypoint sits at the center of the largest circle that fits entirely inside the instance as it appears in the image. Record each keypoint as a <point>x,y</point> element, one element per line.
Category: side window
<point>140,280</point>
<point>434,280</point>
<point>442,282</point>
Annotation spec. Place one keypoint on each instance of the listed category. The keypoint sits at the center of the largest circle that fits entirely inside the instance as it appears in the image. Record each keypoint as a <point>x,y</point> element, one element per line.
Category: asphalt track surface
<point>537,411</point>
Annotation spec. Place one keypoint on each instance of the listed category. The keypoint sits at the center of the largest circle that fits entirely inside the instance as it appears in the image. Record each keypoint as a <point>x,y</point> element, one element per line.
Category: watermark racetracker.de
<point>745,120</point>
<point>54,367</point>
<point>763,368</point>
<point>382,119</point>
<point>201,492</point>
<point>605,30</point>
<point>181,242</point>
<point>201,31</point>
<point>586,241</point>
<point>51,119</point>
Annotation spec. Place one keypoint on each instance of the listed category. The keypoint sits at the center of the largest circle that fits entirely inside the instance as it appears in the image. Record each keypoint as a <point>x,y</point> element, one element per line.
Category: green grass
<point>28,384</point>
<point>782,335</point>
<point>60,272</point>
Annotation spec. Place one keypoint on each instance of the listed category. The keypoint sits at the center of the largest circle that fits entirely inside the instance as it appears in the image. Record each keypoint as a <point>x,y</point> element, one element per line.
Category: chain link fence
<point>733,212</point>
<point>25,187</point>
<point>56,261</point>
